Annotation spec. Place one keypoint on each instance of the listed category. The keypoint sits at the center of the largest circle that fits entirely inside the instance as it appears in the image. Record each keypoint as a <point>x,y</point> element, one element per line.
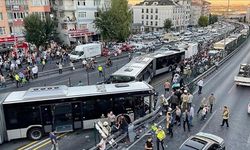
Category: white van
<point>86,51</point>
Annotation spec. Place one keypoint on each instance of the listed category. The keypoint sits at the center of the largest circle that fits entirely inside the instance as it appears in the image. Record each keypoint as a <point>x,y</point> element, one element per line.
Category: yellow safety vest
<point>99,68</point>
<point>17,77</point>
<point>160,134</point>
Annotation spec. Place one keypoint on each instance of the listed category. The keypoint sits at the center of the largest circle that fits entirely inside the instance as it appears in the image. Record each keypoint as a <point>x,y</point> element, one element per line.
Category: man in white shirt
<point>200,85</point>
<point>35,71</point>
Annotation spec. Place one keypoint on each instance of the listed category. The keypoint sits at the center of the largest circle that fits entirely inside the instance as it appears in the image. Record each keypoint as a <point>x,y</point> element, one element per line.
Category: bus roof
<point>57,92</point>
<point>136,65</point>
<point>220,44</point>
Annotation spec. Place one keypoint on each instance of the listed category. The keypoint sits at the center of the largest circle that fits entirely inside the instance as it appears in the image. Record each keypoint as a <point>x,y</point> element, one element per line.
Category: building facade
<point>152,14</point>
<point>12,13</point>
<point>76,19</point>
<point>196,11</point>
<point>248,15</point>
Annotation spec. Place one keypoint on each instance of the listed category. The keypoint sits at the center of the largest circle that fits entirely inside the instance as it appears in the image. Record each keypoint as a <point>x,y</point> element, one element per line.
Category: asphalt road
<point>221,83</point>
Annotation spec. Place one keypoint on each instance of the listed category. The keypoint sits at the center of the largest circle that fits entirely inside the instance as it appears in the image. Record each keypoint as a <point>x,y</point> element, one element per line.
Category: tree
<point>167,24</point>
<point>114,23</point>
<point>203,21</point>
<point>38,31</point>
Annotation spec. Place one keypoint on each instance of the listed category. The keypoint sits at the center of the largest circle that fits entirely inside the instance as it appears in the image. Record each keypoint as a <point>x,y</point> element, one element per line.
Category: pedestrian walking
<point>190,100</point>
<point>111,118</point>
<point>184,100</point>
<point>84,63</point>
<point>17,79</point>
<point>149,144</point>
<point>204,112</point>
<point>185,117</point>
<point>191,115</point>
<point>80,83</point>
<point>200,85</point>
<point>3,81</point>
<point>102,144</point>
<point>167,86</point>
<point>202,104</point>
<point>53,140</point>
<point>43,64</point>
<point>169,124</point>
<point>71,64</point>
<point>164,103</point>
<point>100,70</point>
<point>211,100</point>
<point>160,136</point>
<point>60,67</point>
<point>225,116</point>
<point>178,116</point>
<point>35,71</point>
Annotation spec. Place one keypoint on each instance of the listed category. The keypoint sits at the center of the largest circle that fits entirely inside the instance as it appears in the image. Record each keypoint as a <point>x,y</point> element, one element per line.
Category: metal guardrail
<point>68,68</point>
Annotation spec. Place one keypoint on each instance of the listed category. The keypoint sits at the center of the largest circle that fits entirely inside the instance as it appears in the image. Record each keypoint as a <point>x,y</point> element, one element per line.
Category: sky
<point>214,2</point>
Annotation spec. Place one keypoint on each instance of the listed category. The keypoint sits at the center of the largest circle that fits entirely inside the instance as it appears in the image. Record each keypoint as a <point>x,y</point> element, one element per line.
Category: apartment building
<point>76,19</point>
<point>12,13</point>
<point>152,13</point>
<point>196,11</point>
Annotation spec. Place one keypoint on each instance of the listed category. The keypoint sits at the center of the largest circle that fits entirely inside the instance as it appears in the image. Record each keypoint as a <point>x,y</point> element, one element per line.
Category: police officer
<point>100,70</point>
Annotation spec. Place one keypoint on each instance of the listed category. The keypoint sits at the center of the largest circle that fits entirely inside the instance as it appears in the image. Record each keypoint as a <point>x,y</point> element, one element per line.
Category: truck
<point>243,77</point>
<point>86,51</point>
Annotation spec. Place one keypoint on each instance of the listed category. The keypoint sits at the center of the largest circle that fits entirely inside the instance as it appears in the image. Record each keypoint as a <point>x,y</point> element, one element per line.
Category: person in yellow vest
<point>160,136</point>
<point>225,116</point>
<point>100,70</point>
<point>43,63</point>
<point>17,78</point>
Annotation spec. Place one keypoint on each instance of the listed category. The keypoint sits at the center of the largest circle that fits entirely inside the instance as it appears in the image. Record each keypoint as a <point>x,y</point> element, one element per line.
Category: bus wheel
<point>35,133</point>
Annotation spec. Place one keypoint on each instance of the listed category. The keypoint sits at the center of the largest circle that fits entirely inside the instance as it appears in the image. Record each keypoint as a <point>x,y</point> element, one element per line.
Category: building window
<point>2,30</point>
<point>151,10</point>
<point>146,10</point>
<point>147,17</point>
<point>142,17</point>
<point>156,17</point>
<point>142,10</point>
<point>82,14</point>
<point>39,2</point>
<point>156,10</point>
<point>1,16</point>
<point>146,23</point>
<point>97,2</point>
<point>96,14</point>
<point>156,23</point>
<point>151,23</point>
<point>151,17</point>
<point>81,2</point>
<point>10,15</point>
<point>83,26</point>
<point>142,22</point>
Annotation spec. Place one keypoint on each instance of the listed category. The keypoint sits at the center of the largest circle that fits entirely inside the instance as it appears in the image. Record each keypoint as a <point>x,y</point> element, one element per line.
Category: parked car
<point>203,141</point>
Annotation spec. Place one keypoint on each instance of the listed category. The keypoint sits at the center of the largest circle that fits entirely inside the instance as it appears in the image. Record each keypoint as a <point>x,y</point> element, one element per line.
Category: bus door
<point>62,117</point>
<point>77,115</point>
<point>47,117</point>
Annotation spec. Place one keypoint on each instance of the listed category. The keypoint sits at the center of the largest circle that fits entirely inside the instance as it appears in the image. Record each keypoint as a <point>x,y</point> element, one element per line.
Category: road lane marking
<point>32,146</point>
<point>25,146</point>
<point>204,126</point>
<point>231,89</point>
<point>42,145</point>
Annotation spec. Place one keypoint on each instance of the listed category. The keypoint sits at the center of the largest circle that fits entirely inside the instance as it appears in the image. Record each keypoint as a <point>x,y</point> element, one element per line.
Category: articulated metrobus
<point>40,110</point>
<point>145,67</point>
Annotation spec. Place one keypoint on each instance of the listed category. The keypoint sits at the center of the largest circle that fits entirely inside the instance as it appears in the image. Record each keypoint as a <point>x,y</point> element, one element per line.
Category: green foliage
<point>114,23</point>
<point>213,18</point>
<point>203,21</point>
<point>167,24</point>
<point>38,31</point>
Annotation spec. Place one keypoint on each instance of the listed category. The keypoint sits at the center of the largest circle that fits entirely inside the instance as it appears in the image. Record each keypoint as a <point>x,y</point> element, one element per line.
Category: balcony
<point>68,20</point>
<point>66,8</point>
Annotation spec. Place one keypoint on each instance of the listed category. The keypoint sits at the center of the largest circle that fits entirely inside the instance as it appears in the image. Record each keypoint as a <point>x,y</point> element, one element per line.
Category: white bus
<point>145,67</point>
<point>37,111</point>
